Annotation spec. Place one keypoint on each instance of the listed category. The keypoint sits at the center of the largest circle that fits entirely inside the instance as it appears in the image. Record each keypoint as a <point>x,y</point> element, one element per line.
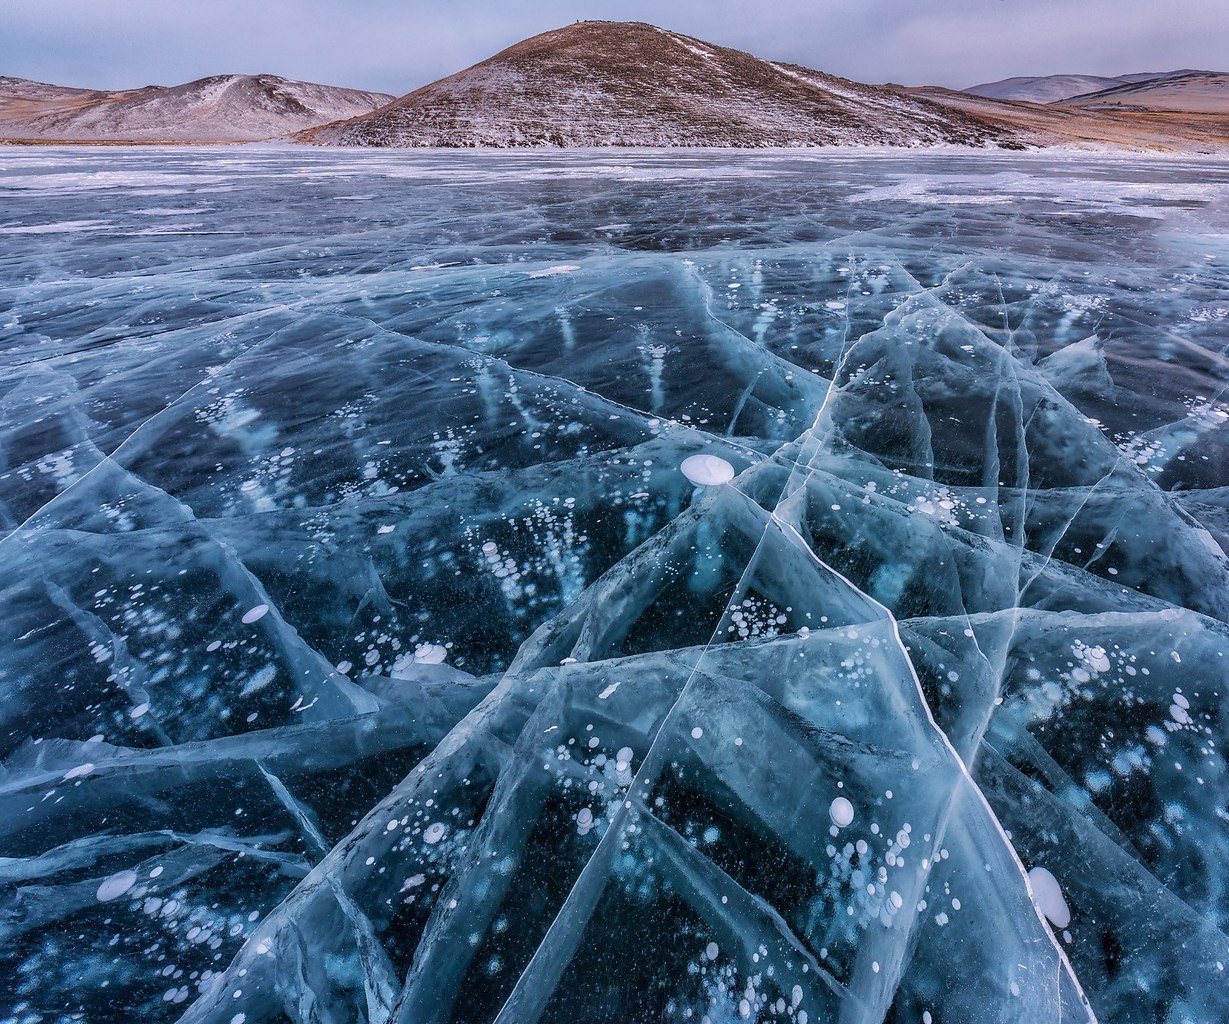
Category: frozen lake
<point>614,587</point>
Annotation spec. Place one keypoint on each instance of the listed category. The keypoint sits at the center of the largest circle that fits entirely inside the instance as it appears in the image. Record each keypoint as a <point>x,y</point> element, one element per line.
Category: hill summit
<point>601,83</point>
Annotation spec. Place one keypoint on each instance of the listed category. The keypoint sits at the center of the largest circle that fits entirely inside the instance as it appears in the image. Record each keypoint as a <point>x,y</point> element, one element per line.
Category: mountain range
<point>631,84</point>
<point>1204,92</point>
<point>1184,91</point>
<point>1044,89</point>
<point>223,108</point>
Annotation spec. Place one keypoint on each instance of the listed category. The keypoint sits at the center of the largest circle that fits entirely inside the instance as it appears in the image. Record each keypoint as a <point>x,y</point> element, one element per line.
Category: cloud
<point>397,45</point>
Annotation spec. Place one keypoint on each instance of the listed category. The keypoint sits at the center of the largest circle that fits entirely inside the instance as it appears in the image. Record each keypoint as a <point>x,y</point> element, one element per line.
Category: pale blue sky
<point>396,46</point>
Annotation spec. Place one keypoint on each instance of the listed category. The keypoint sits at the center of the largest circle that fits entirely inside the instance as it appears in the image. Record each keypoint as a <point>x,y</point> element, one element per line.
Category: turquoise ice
<point>368,655</point>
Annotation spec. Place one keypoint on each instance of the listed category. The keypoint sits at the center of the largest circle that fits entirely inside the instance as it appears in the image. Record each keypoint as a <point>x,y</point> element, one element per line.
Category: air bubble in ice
<point>1048,897</point>
<point>255,614</point>
<point>841,812</point>
<point>707,470</point>
<point>116,885</point>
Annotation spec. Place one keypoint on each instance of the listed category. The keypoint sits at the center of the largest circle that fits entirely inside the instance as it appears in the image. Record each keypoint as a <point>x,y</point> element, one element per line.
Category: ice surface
<point>370,652</point>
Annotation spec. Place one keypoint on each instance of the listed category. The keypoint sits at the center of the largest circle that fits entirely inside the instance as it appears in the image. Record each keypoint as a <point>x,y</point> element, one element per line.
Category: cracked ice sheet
<point>367,657</point>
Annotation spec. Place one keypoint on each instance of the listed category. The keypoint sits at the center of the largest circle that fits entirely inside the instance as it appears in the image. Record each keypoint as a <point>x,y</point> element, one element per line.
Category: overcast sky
<point>397,45</point>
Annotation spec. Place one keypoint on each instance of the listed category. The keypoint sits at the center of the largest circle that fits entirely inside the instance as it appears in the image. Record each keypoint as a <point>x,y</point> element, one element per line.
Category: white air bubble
<point>707,470</point>
<point>116,886</point>
<point>1048,897</point>
<point>255,614</point>
<point>841,812</point>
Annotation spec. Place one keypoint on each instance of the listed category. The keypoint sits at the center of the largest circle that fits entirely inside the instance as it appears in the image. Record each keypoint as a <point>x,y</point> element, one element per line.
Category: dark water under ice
<point>366,656</point>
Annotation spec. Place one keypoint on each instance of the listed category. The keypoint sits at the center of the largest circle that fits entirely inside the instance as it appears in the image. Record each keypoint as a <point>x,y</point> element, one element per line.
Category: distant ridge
<point>1204,92</point>
<point>13,89</point>
<point>223,108</point>
<point>1187,90</point>
<point>603,83</point>
<point>1152,76</point>
<point>1043,89</point>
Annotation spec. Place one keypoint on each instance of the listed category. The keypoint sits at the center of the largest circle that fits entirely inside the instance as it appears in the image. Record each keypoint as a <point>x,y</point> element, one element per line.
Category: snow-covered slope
<point>225,108</point>
<point>1205,92</point>
<point>1043,89</point>
<point>630,84</point>
<point>22,89</point>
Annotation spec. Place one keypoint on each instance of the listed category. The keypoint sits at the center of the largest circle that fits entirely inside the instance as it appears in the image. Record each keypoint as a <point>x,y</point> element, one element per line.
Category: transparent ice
<point>367,656</point>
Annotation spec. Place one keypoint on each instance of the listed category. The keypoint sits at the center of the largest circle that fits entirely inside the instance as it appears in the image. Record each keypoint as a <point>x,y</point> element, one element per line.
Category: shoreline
<point>1090,149</point>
